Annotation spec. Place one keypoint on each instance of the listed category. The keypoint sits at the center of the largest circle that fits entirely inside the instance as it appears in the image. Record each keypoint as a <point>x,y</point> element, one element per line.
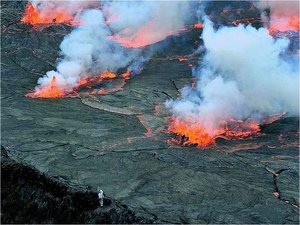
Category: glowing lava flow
<point>139,39</point>
<point>92,81</point>
<point>278,23</point>
<point>54,91</point>
<point>195,133</point>
<point>154,35</point>
<point>88,82</point>
<point>51,91</point>
<point>34,17</point>
<point>198,26</point>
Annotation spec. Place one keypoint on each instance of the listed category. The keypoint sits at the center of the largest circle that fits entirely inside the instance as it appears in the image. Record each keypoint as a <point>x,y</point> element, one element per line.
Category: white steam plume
<point>150,21</point>
<point>279,7</point>
<point>70,7</point>
<point>87,51</point>
<point>284,15</point>
<point>91,48</point>
<point>243,75</point>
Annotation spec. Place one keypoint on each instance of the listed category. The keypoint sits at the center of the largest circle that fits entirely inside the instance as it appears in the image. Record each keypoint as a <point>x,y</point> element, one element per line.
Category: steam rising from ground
<point>284,15</point>
<point>70,7</point>
<point>47,12</point>
<point>87,51</point>
<point>110,38</point>
<point>158,19</point>
<point>243,75</point>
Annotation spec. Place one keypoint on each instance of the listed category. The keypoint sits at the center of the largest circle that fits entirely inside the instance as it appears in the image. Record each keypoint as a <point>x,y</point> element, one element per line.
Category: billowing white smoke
<point>243,75</point>
<point>150,21</point>
<point>87,51</point>
<point>279,7</point>
<point>284,15</point>
<point>92,47</point>
<point>69,7</point>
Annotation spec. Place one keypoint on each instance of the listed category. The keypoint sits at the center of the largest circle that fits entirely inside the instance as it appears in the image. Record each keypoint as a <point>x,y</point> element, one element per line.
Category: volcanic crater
<point>119,141</point>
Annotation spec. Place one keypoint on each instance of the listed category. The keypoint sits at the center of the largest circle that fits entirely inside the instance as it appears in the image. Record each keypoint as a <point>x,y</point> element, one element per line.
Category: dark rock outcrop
<point>29,196</point>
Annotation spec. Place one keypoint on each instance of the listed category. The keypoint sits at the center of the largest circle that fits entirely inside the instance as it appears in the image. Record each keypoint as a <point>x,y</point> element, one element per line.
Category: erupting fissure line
<point>54,91</point>
<point>34,17</point>
<point>195,133</point>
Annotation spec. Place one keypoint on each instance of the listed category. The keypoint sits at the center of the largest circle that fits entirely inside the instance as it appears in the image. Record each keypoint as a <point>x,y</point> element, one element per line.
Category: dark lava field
<point>119,142</point>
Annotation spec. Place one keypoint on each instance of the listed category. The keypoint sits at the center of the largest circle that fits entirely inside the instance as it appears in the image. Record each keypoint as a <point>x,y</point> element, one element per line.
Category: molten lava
<point>182,59</point>
<point>144,36</point>
<point>117,85</point>
<point>92,81</point>
<point>147,35</point>
<point>195,133</point>
<point>281,23</point>
<point>198,26</point>
<point>51,91</point>
<point>47,16</point>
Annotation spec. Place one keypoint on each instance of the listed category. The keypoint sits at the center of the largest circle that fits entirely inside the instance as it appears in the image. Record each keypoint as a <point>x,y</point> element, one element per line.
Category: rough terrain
<point>118,142</point>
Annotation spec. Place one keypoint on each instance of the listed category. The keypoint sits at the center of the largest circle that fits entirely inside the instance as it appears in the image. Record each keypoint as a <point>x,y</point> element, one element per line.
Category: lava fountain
<point>54,90</point>
<point>50,91</point>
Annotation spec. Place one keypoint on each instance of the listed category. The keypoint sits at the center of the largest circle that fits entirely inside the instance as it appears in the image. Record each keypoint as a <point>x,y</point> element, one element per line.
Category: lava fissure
<point>277,192</point>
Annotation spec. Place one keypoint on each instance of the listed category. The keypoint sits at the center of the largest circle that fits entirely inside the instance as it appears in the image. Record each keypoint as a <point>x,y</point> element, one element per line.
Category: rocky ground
<point>32,197</point>
<point>118,142</point>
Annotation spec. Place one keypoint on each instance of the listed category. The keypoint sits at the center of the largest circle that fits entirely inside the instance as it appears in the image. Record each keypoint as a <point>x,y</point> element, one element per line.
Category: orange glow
<point>195,133</point>
<point>102,92</point>
<point>245,21</point>
<point>116,86</point>
<point>284,23</point>
<point>198,26</point>
<point>182,59</point>
<point>51,91</point>
<point>144,36</point>
<point>272,119</point>
<point>92,81</point>
<point>34,17</point>
<point>126,75</point>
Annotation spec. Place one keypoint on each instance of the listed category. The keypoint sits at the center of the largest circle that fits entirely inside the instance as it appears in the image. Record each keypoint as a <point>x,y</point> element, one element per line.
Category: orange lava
<point>34,17</point>
<point>147,35</point>
<point>281,23</point>
<point>144,36</point>
<point>272,119</point>
<point>245,21</point>
<point>51,91</point>
<point>108,75</point>
<point>182,59</point>
<point>126,75</point>
<point>198,26</point>
<point>195,133</point>
<point>92,81</point>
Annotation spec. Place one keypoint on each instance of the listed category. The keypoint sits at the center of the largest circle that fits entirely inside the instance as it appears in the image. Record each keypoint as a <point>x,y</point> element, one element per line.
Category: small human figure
<point>101,197</point>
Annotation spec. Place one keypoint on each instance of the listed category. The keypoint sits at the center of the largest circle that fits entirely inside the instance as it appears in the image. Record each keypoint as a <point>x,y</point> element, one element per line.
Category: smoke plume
<point>244,76</point>
<point>284,15</point>
<point>110,38</point>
